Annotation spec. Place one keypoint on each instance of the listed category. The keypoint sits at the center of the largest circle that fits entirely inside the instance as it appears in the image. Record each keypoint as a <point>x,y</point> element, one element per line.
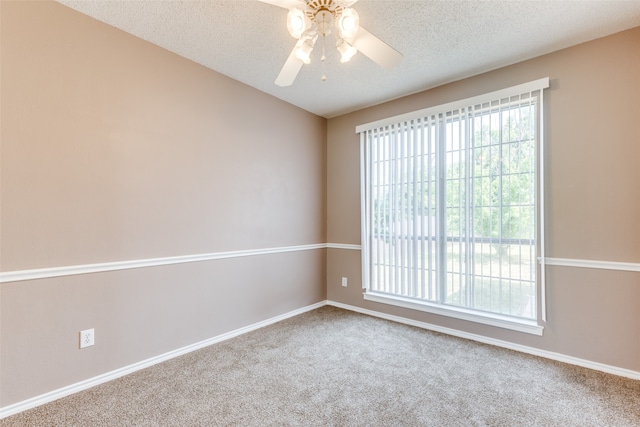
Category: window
<point>451,218</point>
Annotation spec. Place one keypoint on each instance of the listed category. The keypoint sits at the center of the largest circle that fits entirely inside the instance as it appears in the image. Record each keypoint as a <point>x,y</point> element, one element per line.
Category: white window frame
<point>523,325</point>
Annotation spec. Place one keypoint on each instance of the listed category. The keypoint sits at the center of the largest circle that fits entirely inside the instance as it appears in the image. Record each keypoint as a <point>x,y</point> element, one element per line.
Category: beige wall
<point>592,196</point>
<point>113,149</point>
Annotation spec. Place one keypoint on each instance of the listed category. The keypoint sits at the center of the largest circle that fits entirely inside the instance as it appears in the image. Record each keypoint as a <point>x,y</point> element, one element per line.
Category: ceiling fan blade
<point>287,4</point>
<point>290,70</point>
<point>377,50</point>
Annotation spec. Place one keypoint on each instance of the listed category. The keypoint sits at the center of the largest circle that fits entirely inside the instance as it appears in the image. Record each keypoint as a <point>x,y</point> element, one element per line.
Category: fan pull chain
<point>323,59</point>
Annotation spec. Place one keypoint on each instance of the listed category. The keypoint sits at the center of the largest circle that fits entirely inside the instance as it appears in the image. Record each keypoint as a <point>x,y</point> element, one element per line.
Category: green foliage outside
<point>489,191</point>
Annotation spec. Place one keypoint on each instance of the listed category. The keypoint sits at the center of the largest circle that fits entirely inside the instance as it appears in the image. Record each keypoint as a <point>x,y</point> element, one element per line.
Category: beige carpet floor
<point>332,367</point>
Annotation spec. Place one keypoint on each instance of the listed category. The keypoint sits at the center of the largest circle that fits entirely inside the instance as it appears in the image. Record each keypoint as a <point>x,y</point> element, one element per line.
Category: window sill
<point>526,326</point>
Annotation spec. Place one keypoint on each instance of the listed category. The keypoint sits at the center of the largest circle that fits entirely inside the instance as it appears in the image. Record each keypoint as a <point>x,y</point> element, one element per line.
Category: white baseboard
<point>91,382</point>
<point>499,343</point>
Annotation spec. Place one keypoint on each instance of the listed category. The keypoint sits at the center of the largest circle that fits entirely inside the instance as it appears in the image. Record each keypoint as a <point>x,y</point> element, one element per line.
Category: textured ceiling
<point>442,41</point>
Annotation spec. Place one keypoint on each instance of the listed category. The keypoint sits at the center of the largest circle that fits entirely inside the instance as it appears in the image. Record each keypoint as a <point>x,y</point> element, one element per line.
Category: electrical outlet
<point>87,338</point>
<point>344,282</point>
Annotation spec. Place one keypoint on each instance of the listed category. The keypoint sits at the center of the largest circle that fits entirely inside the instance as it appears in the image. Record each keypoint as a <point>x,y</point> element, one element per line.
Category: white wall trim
<point>91,382</point>
<point>344,246</point>
<point>45,273</point>
<point>50,272</point>
<point>609,369</point>
<point>586,263</point>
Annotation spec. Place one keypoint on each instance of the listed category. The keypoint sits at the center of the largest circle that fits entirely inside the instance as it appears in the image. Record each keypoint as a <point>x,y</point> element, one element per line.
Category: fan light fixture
<point>317,19</point>
<point>297,23</point>
<point>346,50</point>
<point>303,50</point>
<point>348,23</point>
<point>308,19</point>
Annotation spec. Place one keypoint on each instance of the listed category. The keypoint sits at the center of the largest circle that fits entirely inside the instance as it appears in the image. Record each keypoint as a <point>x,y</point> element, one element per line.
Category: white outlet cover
<point>87,338</point>
<point>344,281</point>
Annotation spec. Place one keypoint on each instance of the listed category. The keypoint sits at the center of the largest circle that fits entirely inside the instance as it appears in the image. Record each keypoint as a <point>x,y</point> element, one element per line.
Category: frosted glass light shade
<point>346,51</point>
<point>348,23</point>
<point>296,23</point>
<point>303,50</point>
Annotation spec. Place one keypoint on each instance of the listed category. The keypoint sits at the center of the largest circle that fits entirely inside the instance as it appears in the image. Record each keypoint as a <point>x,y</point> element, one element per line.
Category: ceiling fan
<point>309,19</point>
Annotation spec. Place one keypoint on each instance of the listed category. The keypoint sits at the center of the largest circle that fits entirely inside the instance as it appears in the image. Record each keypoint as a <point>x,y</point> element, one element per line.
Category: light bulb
<point>296,22</point>
<point>348,23</point>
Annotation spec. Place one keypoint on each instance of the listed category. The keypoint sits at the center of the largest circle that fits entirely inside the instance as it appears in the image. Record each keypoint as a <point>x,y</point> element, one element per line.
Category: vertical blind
<point>450,203</point>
